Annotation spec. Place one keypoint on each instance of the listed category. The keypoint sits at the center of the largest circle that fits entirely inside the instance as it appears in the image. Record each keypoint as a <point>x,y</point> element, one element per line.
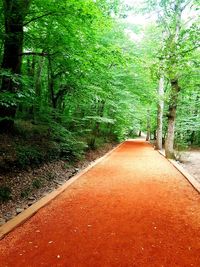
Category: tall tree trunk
<point>175,88</point>
<point>96,130</point>
<point>195,114</point>
<point>160,114</point>
<point>38,77</point>
<point>148,136</point>
<point>37,80</point>
<point>169,144</point>
<point>52,99</point>
<point>14,14</point>
<point>31,63</point>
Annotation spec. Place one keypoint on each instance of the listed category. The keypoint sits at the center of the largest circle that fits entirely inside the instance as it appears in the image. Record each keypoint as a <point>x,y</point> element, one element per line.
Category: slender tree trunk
<point>96,130</point>
<point>14,14</point>
<point>169,144</point>
<point>160,114</point>
<point>148,136</point>
<point>31,67</point>
<point>31,63</point>
<point>195,113</point>
<point>37,104</point>
<point>52,100</point>
<point>38,77</point>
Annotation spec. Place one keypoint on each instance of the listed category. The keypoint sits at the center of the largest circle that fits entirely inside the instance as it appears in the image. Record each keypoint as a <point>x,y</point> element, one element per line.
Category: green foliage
<point>50,176</point>
<point>37,183</point>
<point>84,79</point>
<point>5,193</point>
<point>69,147</point>
<point>8,99</point>
<point>28,155</point>
<point>26,192</point>
<point>172,46</point>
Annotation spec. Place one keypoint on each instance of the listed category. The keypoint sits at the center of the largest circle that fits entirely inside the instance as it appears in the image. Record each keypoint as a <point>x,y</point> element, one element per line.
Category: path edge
<point>32,210</point>
<point>184,172</point>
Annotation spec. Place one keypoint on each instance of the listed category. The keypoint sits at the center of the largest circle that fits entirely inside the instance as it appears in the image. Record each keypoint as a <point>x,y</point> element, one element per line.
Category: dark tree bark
<point>14,15</point>
<point>56,96</point>
<point>160,108</point>
<point>52,100</point>
<point>169,144</point>
<point>148,136</point>
<point>96,130</point>
<point>38,77</point>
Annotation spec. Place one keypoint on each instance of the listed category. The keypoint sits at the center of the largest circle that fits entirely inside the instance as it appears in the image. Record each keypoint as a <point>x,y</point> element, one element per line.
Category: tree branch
<point>190,50</point>
<point>186,4</point>
<point>39,17</point>
<point>45,15</point>
<point>42,54</point>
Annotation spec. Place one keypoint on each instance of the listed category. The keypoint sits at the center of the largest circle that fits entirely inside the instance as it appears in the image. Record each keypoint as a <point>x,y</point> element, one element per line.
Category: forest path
<point>132,209</point>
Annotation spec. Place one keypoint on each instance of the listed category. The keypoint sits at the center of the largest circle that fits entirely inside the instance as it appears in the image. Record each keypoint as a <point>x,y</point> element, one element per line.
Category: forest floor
<point>28,186</point>
<point>191,162</point>
<point>133,208</point>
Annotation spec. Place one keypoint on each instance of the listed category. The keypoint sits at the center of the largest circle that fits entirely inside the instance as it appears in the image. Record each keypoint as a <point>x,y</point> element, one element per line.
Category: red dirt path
<point>132,209</point>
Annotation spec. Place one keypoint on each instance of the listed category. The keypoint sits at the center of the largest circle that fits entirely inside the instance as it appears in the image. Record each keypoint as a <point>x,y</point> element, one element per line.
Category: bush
<point>28,155</point>
<point>37,183</point>
<point>26,192</point>
<point>69,146</point>
<point>5,193</point>
<point>50,176</point>
<point>180,144</point>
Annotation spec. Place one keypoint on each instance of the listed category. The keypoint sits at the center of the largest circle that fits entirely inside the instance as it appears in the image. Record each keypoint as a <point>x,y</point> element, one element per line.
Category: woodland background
<point>76,74</point>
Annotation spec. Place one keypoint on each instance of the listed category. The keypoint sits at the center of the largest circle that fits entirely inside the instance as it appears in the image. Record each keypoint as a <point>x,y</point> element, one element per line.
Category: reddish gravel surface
<point>132,209</point>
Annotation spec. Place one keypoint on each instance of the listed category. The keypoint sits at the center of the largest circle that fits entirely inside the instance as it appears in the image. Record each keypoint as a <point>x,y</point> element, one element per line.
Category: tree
<point>179,35</point>
<point>159,135</point>
<point>14,16</point>
<point>178,24</point>
<point>80,72</point>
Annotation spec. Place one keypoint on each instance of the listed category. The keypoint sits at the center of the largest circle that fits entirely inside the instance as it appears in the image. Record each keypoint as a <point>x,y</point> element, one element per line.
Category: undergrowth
<point>33,144</point>
<point>5,193</point>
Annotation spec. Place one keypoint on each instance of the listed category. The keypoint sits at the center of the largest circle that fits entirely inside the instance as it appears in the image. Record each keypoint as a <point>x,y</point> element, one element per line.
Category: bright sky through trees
<point>145,19</point>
